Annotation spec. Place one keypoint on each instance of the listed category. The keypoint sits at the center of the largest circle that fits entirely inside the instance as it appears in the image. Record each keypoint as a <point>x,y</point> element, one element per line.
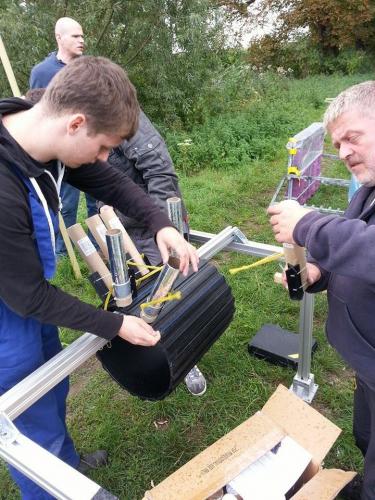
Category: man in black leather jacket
<point>146,160</point>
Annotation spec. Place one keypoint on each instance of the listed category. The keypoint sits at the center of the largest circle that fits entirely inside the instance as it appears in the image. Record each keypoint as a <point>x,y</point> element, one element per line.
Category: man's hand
<point>138,332</point>
<point>169,239</point>
<point>284,218</point>
<point>313,273</point>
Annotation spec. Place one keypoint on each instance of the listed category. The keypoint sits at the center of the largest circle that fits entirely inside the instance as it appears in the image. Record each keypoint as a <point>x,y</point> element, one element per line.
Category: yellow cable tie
<point>170,296</point>
<point>265,260</point>
<point>132,263</point>
<point>294,170</point>
<point>106,302</point>
<point>146,276</point>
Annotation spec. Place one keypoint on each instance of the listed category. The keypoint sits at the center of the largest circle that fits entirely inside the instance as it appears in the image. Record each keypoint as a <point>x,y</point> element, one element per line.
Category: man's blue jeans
<point>70,201</point>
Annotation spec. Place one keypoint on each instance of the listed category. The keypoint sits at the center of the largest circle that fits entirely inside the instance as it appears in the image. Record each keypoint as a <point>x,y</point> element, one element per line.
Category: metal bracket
<point>238,236</point>
<point>303,382</point>
<point>304,389</point>
<point>52,474</point>
<point>8,431</point>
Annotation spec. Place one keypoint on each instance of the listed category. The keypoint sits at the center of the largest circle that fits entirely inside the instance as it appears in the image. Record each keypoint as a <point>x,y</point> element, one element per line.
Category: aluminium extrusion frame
<point>303,384</point>
<point>46,470</point>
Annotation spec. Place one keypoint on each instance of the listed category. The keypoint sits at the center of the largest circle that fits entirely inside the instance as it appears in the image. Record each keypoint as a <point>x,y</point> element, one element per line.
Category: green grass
<point>102,415</point>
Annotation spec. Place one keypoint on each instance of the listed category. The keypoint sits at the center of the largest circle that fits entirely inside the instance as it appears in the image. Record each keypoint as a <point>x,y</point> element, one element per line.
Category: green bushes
<point>278,108</point>
<point>302,58</point>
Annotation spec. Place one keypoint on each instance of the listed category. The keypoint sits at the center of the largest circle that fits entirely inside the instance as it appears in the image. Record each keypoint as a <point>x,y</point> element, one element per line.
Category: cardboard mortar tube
<point>88,252</point>
<point>98,230</point>
<point>111,221</point>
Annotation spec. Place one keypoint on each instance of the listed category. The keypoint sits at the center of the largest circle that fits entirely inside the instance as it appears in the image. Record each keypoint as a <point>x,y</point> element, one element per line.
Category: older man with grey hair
<point>342,260</point>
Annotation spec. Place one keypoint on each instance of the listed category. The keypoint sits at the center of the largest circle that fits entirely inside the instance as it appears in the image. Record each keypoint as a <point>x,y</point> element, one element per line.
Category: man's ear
<point>76,123</point>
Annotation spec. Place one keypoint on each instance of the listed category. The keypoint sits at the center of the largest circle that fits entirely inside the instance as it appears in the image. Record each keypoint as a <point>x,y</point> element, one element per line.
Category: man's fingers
<point>149,339</point>
<point>145,326</point>
<point>164,252</point>
<point>194,258</point>
<point>274,209</point>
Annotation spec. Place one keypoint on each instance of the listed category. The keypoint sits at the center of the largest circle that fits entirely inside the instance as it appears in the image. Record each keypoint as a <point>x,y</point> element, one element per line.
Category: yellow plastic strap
<point>148,275</point>
<point>167,298</point>
<point>106,302</point>
<point>132,263</point>
<point>265,260</point>
<point>294,170</point>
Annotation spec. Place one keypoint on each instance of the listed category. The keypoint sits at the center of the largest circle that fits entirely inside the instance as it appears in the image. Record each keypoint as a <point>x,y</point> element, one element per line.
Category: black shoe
<point>352,491</point>
<point>92,460</point>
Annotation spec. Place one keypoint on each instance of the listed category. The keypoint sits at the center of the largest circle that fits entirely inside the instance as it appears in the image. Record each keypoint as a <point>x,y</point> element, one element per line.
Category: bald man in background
<point>70,45</point>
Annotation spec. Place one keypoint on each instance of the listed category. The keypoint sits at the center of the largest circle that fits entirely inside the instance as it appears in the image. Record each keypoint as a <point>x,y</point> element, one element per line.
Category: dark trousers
<point>364,434</point>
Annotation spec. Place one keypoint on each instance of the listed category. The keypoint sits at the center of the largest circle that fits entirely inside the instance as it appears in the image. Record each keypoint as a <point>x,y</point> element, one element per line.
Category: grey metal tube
<point>305,329</point>
<point>175,213</point>
<point>160,289</point>
<point>119,269</point>
<point>34,386</point>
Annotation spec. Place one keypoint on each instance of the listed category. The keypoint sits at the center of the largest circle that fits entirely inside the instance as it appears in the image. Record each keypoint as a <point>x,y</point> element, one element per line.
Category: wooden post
<point>69,248</point>
<point>8,69</point>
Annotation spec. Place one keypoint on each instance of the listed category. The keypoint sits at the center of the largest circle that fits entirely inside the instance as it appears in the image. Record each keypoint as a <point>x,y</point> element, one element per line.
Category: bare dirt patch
<point>82,375</point>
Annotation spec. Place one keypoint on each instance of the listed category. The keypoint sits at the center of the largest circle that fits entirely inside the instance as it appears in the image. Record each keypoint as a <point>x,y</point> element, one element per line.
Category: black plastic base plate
<point>278,346</point>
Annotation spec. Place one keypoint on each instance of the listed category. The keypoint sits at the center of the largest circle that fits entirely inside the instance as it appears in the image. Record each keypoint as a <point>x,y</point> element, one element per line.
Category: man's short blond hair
<point>100,90</point>
<point>360,97</point>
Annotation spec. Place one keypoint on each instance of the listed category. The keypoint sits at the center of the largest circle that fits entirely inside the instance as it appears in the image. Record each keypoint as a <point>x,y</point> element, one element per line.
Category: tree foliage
<point>172,49</point>
<point>331,24</point>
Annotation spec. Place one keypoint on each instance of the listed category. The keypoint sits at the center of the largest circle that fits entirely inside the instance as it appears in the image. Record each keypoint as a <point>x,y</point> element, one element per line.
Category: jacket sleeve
<point>338,244</point>
<point>109,185</point>
<point>148,153</point>
<point>23,287</point>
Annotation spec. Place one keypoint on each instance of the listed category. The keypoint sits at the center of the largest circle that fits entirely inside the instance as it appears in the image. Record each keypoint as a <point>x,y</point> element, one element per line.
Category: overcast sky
<point>247,29</point>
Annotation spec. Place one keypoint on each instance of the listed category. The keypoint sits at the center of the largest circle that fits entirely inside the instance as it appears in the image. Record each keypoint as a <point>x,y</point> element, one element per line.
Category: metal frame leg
<point>49,472</point>
<point>303,382</point>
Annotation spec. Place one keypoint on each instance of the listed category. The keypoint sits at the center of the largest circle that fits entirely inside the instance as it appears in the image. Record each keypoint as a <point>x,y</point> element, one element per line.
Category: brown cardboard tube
<point>98,230</point>
<point>111,221</point>
<point>89,253</point>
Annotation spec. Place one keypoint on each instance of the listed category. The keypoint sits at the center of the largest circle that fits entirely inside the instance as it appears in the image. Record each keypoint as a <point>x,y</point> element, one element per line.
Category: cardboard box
<point>283,414</point>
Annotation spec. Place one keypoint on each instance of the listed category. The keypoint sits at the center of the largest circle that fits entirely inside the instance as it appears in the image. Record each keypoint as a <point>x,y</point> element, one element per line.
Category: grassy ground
<point>147,441</point>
